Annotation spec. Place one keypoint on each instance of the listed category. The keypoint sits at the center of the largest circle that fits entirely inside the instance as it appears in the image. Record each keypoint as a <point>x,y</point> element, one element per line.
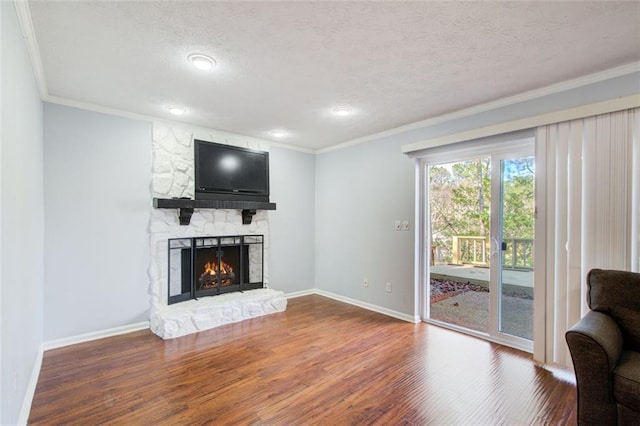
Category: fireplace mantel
<point>185,207</point>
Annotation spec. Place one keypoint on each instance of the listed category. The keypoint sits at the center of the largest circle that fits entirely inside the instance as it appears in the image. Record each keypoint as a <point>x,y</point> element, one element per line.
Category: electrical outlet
<point>398,225</point>
<point>365,282</point>
<point>405,225</point>
<point>388,287</point>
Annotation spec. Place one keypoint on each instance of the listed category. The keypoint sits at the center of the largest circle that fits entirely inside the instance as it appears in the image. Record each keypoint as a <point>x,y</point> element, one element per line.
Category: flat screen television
<point>224,172</point>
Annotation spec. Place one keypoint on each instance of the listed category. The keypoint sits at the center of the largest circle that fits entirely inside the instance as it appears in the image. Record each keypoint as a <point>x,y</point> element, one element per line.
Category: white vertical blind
<point>635,192</point>
<point>591,220</point>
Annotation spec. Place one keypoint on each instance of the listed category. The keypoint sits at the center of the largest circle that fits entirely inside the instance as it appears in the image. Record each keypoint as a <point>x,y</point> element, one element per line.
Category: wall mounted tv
<point>224,172</point>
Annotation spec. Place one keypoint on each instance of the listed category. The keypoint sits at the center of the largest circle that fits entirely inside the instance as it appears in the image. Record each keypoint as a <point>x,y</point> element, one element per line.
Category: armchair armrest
<point>595,343</point>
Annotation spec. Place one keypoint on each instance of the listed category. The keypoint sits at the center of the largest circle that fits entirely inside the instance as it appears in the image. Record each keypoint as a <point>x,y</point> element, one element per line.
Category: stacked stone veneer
<point>173,176</point>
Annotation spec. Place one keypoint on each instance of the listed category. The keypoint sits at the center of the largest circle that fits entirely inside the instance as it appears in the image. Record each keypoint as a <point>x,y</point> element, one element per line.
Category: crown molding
<point>101,108</point>
<point>633,101</point>
<point>28,33</point>
<point>24,18</point>
<point>26,24</point>
<point>292,147</point>
<point>143,117</point>
<point>511,100</point>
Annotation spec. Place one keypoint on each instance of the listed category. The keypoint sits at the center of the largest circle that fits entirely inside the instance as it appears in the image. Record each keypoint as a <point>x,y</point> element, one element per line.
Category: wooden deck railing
<point>468,249</point>
<point>475,250</point>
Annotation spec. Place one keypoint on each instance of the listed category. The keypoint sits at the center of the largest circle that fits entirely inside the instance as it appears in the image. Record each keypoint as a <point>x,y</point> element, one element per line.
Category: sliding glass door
<point>459,201</point>
<point>479,242</point>
<point>516,216</point>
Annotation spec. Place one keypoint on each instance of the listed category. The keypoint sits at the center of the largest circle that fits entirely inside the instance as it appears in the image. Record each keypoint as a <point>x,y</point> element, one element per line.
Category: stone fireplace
<point>209,296</point>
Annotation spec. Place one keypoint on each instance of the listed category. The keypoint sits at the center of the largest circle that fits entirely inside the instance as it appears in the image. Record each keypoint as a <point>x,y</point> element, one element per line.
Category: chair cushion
<point>617,293</point>
<point>626,380</point>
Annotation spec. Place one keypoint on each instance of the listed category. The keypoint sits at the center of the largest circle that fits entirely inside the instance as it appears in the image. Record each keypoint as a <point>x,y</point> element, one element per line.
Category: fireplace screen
<point>208,266</point>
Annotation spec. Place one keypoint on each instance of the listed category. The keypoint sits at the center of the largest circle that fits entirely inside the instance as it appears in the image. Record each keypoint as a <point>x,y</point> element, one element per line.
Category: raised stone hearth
<point>208,312</point>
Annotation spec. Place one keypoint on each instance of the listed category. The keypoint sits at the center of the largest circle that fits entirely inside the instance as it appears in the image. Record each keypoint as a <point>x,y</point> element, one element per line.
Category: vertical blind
<point>589,197</point>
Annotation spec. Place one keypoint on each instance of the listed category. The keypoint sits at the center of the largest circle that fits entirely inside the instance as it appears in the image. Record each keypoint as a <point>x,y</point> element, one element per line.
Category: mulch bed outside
<point>443,289</point>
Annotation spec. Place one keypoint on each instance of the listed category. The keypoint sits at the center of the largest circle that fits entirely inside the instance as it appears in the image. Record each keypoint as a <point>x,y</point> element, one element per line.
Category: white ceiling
<point>286,65</point>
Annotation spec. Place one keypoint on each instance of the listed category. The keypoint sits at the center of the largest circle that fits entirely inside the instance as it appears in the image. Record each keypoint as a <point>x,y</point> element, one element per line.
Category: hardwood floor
<point>320,362</point>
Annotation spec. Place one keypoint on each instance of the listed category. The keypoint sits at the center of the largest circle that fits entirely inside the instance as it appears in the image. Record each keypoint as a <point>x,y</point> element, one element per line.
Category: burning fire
<point>211,268</point>
<point>213,274</point>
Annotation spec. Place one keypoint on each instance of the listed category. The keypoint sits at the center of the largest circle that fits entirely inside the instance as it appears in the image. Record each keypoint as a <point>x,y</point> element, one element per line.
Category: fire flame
<point>215,275</point>
<point>211,268</point>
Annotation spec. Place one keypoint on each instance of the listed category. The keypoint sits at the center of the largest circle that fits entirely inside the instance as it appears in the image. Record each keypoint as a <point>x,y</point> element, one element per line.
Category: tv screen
<point>230,173</point>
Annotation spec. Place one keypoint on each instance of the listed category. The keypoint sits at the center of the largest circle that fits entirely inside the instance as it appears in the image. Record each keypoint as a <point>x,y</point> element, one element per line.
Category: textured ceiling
<point>287,64</point>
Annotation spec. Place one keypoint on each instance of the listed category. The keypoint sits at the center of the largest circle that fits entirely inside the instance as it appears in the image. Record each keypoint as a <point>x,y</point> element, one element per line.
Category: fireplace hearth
<point>210,266</point>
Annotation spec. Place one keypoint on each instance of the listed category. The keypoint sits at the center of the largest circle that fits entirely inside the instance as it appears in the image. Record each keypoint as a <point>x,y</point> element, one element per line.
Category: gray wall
<point>361,190</point>
<point>97,173</point>
<point>291,233</point>
<point>21,219</point>
<point>334,225</point>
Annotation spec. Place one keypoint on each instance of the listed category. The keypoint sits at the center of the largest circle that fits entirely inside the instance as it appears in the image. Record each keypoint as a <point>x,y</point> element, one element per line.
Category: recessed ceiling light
<point>342,111</point>
<point>202,62</point>
<point>278,133</point>
<point>177,111</point>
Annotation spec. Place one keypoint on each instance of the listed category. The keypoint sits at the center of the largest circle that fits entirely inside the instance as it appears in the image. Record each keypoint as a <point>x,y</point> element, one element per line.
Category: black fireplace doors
<point>209,266</point>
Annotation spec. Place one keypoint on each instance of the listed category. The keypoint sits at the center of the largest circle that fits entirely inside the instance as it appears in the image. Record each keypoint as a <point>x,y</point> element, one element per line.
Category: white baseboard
<point>300,293</point>
<point>59,343</point>
<point>31,389</point>
<point>369,306</point>
<point>354,302</point>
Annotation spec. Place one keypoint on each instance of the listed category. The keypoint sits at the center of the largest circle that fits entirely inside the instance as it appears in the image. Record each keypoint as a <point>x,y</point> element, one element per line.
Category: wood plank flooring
<point>320,362</point>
